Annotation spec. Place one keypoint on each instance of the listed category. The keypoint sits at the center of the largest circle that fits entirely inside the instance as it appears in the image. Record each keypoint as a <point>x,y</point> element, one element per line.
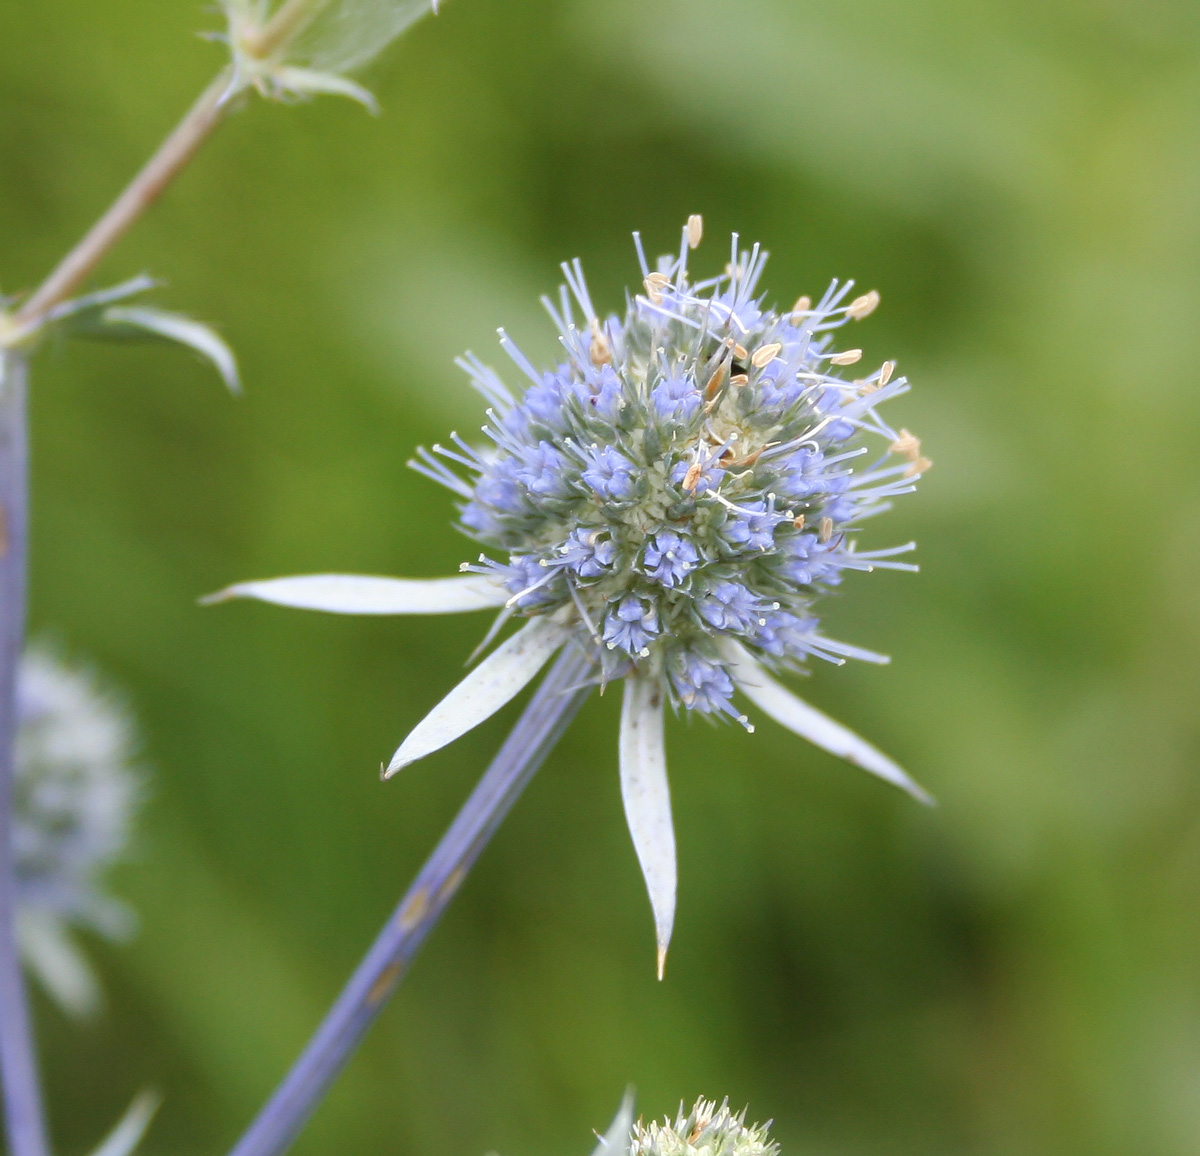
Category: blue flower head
<point>705,469</point>
<point>670,501</point>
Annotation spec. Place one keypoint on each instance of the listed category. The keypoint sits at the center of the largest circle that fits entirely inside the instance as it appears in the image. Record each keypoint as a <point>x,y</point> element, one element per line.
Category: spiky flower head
<point>670,501</point>
<point>705,1130</point>
<point>75,795</point>
<point>690,479</point>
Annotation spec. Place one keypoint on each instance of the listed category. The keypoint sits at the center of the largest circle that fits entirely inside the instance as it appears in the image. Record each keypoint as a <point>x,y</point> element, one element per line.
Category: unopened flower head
<point>672,499</point>
<point>75,798</point>
<point>705,1130</point>
<point>305,47</point>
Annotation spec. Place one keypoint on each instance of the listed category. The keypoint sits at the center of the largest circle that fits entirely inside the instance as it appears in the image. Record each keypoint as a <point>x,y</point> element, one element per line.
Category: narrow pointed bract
<point>647,798</point>
<point>495,681</point>
<point>50,952</point>
<point>129,1130</point>
<point>809,723</point>
<point>615,1141</point>
<point>368,594</point>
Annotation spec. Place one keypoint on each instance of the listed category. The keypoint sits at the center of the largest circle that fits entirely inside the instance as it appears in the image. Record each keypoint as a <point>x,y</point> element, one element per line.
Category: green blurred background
<point>1016,972</point>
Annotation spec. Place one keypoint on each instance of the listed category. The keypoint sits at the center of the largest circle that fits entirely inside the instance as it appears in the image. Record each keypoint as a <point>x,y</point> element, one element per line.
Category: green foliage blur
<point>1017,971</point>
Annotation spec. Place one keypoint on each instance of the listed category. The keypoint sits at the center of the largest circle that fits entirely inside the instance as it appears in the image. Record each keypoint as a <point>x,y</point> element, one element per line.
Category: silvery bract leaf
<point>347,34</point>
<point>53,957</point>
<point>615,1142</point>
<point>647,799</point>
<point>130,1129</point>
<point>142,322</point>
<point>794,713</point>
<point>495,681</point>
<point>367,594</point>
<point>309,82</point>
<point>92,303</point>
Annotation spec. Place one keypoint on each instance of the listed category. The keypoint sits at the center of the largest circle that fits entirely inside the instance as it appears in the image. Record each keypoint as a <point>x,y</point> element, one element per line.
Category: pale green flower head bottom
<point>672,500</point>
<point>705,1129</point>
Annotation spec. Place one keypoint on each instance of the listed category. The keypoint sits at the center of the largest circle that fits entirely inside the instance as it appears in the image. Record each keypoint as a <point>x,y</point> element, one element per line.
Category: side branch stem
<point>159,171</point>
<point>364,996</point>
<point>24,1124</point>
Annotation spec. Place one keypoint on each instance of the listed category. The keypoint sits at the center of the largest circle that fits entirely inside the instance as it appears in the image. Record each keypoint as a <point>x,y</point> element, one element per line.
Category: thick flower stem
<point>531,739</point>
<point>158,172</point>
<point>24,1125</point>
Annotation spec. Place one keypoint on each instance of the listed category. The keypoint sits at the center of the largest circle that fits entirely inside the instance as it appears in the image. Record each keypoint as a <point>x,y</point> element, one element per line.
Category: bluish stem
<point>24,1124</point>
<point>531,739</point>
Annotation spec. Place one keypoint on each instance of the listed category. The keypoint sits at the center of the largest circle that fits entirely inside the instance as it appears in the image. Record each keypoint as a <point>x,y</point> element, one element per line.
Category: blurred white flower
<point>304,48</point>
<point>75,798</point>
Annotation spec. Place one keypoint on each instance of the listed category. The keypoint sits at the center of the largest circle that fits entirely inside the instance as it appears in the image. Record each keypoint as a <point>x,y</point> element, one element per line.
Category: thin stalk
<point>159,171</point>
<point>531,739</point>
<point>23,1117</point>
<point>24,1124</point>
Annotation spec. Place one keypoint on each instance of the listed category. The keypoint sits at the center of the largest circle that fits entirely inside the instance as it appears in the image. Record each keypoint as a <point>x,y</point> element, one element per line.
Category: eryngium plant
<point>669,502</point>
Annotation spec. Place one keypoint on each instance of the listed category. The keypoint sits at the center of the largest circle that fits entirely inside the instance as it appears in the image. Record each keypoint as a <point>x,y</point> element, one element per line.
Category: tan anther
<point>799,522</point>
<point>601,351</point>
<point>865,387</point>
<point>863,306</point>
<point>885,372</point>
<point>826,530</point>
<point>695,230</point>
<point>740,379</point>
<point>692,477</point>
<point>740,352</point>
<point>846,357</point>
<point>712,388</point>
<point>920,466</point>
<point>908,445</point>
<point>655,284</point>
<point>802,306</point>
<point>765,354</point>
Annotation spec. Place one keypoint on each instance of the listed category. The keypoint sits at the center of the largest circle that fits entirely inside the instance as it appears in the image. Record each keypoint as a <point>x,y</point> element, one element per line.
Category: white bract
<point>672,499</point>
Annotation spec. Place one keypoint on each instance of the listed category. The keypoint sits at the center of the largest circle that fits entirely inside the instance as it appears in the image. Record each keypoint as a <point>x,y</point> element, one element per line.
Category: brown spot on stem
<point>385,984</point>
<point>452,884</point>
<point>414,910</point>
